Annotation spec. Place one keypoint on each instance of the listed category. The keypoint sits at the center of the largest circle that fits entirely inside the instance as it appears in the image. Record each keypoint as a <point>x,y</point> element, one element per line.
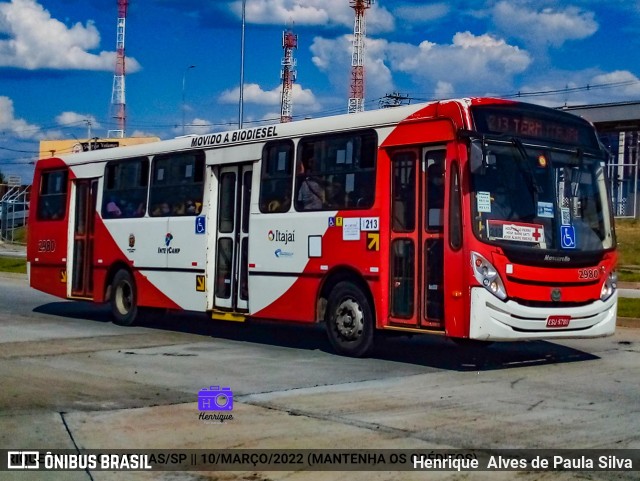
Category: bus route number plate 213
<point>558,321</point>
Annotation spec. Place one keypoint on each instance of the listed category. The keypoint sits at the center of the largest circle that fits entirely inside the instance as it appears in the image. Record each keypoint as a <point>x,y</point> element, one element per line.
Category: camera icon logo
<point>215,398</point>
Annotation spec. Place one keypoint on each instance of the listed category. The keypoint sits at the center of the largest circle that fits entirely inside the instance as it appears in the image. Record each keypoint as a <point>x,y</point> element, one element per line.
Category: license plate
<point>558,321</point>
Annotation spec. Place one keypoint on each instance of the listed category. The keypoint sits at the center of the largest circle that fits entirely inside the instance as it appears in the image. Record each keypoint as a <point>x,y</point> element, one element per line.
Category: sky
<point>183,59</point>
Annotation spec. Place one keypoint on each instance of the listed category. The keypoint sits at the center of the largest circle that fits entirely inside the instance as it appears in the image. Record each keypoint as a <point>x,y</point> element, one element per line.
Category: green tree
<point>2,179</point>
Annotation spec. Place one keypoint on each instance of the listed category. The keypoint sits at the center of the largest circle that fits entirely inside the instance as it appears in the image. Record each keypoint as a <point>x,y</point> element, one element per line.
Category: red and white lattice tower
<point>288,73</point>
<point>117,94</point>
<point>356,96</point>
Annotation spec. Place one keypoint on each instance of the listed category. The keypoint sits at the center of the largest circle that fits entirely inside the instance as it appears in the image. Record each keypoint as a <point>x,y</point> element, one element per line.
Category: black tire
<point>124,300</point>
<point>349,320</point>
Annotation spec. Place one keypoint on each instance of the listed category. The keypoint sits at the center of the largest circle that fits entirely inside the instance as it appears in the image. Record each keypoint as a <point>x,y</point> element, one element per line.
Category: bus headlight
<point>609,286</point>
<point>487,275</point>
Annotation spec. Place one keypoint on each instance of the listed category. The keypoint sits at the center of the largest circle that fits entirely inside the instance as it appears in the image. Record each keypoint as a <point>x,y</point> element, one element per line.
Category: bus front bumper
<point>495,320</point>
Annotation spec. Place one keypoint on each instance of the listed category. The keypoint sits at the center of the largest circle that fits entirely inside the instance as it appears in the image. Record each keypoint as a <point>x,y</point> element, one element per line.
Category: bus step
<point>227,316</point>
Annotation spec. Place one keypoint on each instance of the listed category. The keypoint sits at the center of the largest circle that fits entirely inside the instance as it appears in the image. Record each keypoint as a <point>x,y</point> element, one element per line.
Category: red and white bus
<point>478,219</point>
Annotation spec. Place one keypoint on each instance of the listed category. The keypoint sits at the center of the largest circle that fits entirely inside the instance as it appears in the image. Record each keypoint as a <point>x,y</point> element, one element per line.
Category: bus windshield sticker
<point>351,229</point>
<point>545,209</point>
<point>516,231</point>
<point>483,200</point>
<point>568,237</point>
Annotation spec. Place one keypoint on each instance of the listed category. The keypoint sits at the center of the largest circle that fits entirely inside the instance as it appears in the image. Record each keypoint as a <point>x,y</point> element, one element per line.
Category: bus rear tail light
<point>609,286</point>
<point>487,276</point>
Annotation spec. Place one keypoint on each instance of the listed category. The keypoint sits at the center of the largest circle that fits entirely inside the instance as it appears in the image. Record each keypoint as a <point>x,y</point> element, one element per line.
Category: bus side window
<point>435,190</point>
<point>52,202</point>
<point>177,184</point>
<point>276,177</point>
<point>125,188</point>
<point>336,171</point>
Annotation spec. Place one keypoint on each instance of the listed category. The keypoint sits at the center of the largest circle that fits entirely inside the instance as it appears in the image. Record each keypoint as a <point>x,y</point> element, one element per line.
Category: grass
<point>628,307</point>
<point>628,234</point>
<point>13,264</point>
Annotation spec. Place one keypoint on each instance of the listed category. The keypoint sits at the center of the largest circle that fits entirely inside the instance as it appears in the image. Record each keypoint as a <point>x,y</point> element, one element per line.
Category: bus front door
<point>83,238</point>
<point>417,238</point>
<point>231,290</point>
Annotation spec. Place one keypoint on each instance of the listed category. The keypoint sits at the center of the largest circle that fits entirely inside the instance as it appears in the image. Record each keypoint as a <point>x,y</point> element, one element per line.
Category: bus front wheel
<point>349,320</point>
<point>124,306</point>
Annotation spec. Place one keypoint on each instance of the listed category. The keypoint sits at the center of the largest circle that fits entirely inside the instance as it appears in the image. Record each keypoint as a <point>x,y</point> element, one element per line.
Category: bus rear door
<point>82,245</point>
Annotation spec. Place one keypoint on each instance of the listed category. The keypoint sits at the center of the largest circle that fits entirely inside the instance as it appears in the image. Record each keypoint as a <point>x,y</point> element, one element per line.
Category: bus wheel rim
<point>349,319</point>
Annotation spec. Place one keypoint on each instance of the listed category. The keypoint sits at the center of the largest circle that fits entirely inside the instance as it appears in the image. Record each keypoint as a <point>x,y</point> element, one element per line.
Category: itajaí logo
<point>282,236</point>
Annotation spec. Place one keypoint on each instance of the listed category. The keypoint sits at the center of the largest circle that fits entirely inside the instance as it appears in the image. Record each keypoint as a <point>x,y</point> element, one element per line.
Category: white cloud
<point>333,57</point>
<point>254,94</point>
<point>623,82</point>
<point>17,127</point>
<point>312,12</point>
<point>444,90</point>
<point>469,64</point>
<point>75,119</point>
<point>199,126</point>
<point>582,87</point>
<point>545,27</point>
<point>34,40</point>
<point>142,133</point>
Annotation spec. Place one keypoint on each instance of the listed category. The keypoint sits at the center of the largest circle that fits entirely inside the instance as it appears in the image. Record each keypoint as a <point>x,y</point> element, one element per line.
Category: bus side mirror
<point>479,158</point>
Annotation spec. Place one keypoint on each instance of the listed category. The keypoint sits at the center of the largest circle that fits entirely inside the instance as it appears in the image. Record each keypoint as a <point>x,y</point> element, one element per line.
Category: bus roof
<point>306,127</point>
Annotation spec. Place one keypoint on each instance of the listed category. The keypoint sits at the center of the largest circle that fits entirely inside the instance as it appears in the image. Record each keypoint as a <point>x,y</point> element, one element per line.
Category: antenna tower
<point>356,97</point>
<point>288,73</point>
<point>117,93</point>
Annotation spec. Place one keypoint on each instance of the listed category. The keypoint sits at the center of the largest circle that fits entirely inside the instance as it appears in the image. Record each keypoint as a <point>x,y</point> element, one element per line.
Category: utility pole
<point>241,106</point>
<point>394,99</point>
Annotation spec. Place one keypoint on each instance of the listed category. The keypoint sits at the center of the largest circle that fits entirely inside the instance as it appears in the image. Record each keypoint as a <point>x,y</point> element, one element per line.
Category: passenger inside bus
<point>311,193</point>
<point>160,210</point>
<point>112,208</point>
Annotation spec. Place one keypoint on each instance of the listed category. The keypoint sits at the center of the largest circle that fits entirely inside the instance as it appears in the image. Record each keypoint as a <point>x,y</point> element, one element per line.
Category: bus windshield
<point>541,197</point>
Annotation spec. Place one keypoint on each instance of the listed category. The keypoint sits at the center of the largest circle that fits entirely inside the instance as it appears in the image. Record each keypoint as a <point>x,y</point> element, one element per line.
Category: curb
<point>631,322</point>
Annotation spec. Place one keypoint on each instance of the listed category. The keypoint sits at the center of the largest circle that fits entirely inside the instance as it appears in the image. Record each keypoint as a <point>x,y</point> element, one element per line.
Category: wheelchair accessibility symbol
<point>568,237</point>
<point>201,225</point>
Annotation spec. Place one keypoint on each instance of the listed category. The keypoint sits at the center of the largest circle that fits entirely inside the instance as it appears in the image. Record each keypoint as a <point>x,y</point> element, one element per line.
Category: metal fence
<point>14,210</point>
<point>623,179</point>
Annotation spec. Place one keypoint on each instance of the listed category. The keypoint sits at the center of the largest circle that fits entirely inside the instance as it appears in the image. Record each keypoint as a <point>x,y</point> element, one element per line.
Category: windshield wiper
<point>533,185</point>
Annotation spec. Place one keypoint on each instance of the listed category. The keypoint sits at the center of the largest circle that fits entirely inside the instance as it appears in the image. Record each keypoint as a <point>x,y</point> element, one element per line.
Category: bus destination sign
<point>532,127</point>
<point>557,127</point>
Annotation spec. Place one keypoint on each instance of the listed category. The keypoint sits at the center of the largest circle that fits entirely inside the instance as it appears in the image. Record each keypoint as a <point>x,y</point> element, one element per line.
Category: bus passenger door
<point>417,238</point>
<point>81,272</point>
<point>232,240</point>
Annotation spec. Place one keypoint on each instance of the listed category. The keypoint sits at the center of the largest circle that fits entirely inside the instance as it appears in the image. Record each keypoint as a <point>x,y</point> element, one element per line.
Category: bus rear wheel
<point>349,320</point>
<point>124,306</point>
